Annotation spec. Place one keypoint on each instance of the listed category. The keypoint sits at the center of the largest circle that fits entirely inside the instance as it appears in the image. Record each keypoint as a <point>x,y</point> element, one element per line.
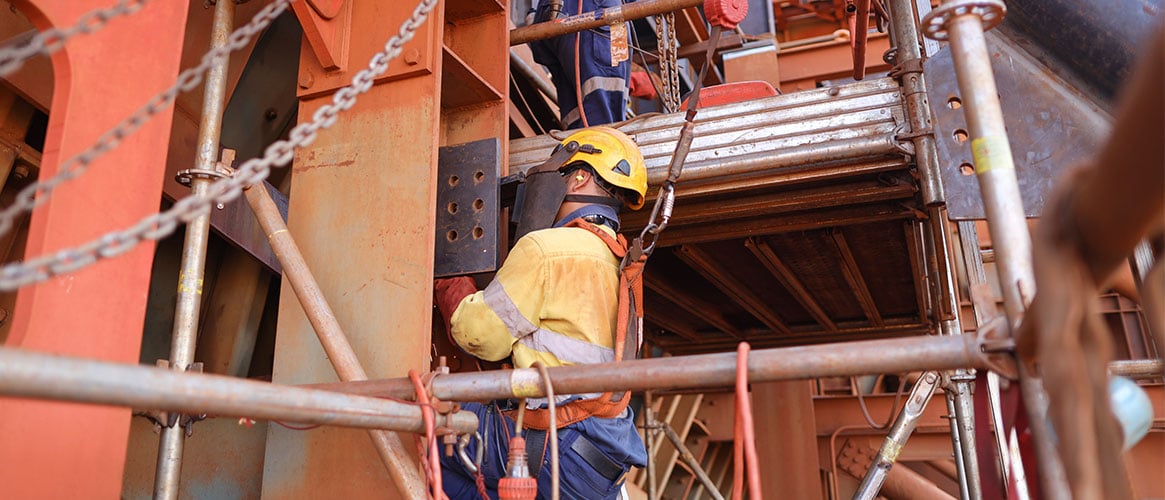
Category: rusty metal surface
<point>365,192</point>
<point>713,265</point>
<point>897,436</point>
<point>791,443</point>
<point>876,253</point>
<point>908,59</point>
<point>1051,127</point>
<point>236,223</point>
<point>818,292</point>
<point>902,483</point>
<point>845,123</point>
<point>588,20</point>
<point>700,371</point>
<point>261,108</point>
<point>192,273</point>
<point>1077,250</point>
<point>861,189</point>
<point>323,321</point>
<point>222,459</point>
<point>1138,368</point>
<point>467,208</point>
<point>32,375</point>
<point>1096,41</point>
<point>791,170</point>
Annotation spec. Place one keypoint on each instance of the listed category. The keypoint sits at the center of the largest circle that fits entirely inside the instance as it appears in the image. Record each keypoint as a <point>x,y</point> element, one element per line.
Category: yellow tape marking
<point>991,152</point>
<point>525,383</point>
<point>195,285</point>
<point>892,450</point>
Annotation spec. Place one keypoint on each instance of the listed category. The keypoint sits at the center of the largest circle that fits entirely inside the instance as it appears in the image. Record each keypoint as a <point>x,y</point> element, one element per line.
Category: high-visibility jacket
<point>554,300</point>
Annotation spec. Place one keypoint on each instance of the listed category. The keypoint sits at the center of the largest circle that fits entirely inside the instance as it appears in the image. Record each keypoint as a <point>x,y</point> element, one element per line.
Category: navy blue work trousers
<point>578,480</point>
<point>602,86</point>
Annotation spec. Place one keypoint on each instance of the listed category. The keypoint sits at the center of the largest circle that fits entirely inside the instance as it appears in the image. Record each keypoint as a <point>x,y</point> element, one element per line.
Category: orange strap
<point>629,321</point>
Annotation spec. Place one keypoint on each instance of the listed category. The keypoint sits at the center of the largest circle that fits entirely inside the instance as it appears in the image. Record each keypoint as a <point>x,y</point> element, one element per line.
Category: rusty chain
<point>668,48</point>
<point>37,193</point>
<point>13,55</point>
<point>252,171</point>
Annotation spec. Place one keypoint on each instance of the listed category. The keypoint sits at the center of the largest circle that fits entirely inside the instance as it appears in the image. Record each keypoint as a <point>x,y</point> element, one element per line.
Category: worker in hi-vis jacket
<point>590,66</point>
<point>556,301</point>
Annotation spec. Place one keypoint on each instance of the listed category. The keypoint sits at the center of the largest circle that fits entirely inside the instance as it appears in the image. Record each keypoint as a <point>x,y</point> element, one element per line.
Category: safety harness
<point>628,333</point>
<point>629,326</point>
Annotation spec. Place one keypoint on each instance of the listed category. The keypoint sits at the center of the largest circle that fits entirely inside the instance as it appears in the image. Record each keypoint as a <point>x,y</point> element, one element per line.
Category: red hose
<point>745,438</point>
<point>582,114</point>
<point>431,458</point>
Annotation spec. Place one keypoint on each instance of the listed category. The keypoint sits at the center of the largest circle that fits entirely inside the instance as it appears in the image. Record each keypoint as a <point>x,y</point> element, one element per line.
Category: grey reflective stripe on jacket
<point>567,349</point>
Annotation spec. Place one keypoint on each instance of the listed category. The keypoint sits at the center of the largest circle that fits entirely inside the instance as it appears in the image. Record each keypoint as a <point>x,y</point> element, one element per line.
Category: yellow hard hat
<point>617,160</point>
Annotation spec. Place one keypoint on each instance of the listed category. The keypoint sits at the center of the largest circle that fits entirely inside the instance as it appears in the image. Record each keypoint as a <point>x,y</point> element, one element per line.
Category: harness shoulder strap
<point>628,328</point>
<point>617,243</point>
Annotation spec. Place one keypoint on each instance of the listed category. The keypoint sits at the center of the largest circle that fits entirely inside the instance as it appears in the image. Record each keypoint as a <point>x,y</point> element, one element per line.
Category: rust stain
<point>304,168</point>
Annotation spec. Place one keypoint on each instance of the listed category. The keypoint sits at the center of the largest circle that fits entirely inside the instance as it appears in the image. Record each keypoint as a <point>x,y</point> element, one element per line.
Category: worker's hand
<point>448,293</point>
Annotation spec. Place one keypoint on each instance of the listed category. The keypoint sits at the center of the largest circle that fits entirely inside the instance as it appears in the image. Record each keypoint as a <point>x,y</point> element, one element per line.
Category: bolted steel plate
<point>1050,124</point>
<point>467,208</point>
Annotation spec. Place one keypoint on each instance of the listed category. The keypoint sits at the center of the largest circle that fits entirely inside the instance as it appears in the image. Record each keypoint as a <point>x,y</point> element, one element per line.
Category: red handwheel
<point>725,13</point>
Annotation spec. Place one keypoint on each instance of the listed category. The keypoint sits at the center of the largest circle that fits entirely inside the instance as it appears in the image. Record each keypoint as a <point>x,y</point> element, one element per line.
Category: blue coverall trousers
<point>603,86</point>
<point>578,479</point>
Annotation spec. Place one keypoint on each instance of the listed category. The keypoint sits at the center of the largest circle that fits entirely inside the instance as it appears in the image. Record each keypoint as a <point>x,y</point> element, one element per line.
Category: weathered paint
<point>784,435</point>
<point>222,460</point>
<point>57,450</point>
<point>362,209</point>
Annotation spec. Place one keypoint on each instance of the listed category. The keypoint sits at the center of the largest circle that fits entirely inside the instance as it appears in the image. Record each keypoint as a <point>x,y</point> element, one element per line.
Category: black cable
<point>525,104</point>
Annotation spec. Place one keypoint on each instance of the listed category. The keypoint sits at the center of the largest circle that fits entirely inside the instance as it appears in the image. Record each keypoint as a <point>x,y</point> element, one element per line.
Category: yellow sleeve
<point>489,322</point>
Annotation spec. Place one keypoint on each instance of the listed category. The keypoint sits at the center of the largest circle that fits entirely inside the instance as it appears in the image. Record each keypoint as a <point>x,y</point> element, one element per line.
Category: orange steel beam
<point>836,413</point>
<point>362,209</point>
<point>803,67</point>
<point>784,437</point>
<point>55,450</point>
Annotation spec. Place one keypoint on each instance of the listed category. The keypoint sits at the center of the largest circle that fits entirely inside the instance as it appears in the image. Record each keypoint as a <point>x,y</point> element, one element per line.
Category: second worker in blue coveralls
<point>584,67</point>
<point>555,301</point>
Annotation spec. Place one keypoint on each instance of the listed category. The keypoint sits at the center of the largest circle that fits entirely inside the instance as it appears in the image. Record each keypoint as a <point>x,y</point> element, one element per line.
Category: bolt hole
<point>479,176</point>
<point>454,180</point>
<point>954,103</point>
<point>478,233</point>
<point>960,135</point>
<point>966,169</point>
<point>478,204</point>
<point>452,208</point>
<point>451,236</point>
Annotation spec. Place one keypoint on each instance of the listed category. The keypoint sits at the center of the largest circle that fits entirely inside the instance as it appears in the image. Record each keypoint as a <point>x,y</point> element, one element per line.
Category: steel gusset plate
<point>1050,124</point>
<point>467,208</point>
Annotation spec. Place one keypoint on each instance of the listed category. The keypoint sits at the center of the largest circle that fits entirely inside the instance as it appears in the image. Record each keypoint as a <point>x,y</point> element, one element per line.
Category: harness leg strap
<point>535,450</point>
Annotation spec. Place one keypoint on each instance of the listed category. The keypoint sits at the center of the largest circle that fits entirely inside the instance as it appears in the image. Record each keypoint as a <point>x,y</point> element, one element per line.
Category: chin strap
<point>598,200</point>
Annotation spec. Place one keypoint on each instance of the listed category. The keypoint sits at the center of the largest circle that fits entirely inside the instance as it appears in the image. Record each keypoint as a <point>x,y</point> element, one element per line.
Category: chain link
<point>668,48</point>
<point>37,193</point>
<point>13,55</point>
<point>251,172</point>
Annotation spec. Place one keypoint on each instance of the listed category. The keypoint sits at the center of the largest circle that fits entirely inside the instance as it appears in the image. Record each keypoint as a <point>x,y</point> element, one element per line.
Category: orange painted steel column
<point>785,440</point>
<point>362,208</point>
<point>56,450</point>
